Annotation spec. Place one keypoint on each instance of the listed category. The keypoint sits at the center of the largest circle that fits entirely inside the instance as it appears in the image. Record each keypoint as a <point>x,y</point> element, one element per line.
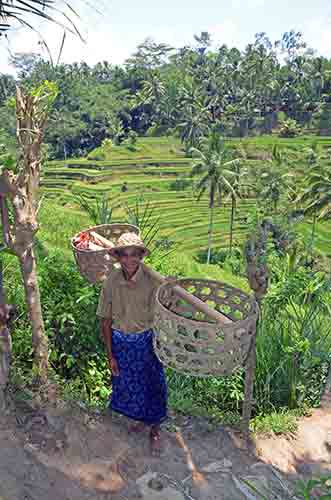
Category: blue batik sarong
<point>139,391</point>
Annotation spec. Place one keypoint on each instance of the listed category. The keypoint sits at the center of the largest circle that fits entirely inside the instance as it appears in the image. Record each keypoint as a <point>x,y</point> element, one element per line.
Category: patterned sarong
<point>140,391</point>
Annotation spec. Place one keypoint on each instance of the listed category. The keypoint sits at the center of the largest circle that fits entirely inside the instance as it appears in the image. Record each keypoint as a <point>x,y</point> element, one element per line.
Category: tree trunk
<point>313,232</point>
<point>210,230</point>
<point>232,223</point>
<point>2,297</point>
<point>32,295</point>
<point>20,186</point>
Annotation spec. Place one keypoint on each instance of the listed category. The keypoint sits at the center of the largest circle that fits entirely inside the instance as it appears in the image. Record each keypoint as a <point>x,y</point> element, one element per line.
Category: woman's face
<point>130,259</point>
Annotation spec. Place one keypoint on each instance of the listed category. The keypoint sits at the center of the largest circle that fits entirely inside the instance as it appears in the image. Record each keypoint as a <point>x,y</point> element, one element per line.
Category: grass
<point>146,147</point>
<point>278,422</point>
<point>151,168</point>
<point>184,221</point>
<point>59,224</point>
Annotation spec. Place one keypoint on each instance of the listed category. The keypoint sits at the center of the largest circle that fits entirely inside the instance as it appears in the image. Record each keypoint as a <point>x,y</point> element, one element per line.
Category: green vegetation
<point>280,88</point>
<point>181,214</point>
<point>210,143</point>
<point>294,338</point>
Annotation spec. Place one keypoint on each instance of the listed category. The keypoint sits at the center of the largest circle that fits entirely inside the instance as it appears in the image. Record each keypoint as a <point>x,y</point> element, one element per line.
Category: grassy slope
<point>59,224</point>
<point>150,169</point>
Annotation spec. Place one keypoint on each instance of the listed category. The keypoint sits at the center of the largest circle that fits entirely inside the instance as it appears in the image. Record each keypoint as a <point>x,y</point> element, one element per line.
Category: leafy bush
<point>107,143</point>
<point>316,487</point>
<point>69,309</point>
<point>289,128</point>
<point>131,140</point>
<point>97,154</point>
<point>294,340</point>
<point>179,184</point>
<point>222,257</point>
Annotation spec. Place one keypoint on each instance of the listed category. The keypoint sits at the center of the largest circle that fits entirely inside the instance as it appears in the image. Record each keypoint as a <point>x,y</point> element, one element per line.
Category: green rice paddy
<point>151,171</point>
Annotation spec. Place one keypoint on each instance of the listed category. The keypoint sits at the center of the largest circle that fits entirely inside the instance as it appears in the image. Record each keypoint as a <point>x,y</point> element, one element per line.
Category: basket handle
<point>191,299</point>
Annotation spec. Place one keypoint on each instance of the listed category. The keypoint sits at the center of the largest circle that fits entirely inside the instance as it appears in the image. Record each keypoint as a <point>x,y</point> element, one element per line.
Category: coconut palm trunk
<point>233,211</point>
<point>210,231</point>
<point>313,233</point>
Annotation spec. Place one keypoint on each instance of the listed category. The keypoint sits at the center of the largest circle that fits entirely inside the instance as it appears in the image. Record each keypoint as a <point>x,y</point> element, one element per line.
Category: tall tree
<point>274,180</point>
<point>213,164</point>
<point>234,194</point>
<point>19,185</point>
<point>316,197</point>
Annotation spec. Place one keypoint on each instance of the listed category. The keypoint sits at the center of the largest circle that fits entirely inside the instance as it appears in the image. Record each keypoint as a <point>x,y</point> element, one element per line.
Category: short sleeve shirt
<point>130,303</point>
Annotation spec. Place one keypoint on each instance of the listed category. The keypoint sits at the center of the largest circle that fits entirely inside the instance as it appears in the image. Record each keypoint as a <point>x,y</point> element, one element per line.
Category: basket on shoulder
<point>91,249</point>
<point>203,327</point>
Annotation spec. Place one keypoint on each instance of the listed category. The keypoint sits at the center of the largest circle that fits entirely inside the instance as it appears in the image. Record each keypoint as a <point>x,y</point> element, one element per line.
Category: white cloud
<point>317,33</point>
<point>101,41</point>
<point>227,33</point>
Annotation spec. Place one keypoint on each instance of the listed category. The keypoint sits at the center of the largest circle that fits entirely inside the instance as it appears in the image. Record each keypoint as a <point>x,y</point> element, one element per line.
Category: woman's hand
<point>113,366</point>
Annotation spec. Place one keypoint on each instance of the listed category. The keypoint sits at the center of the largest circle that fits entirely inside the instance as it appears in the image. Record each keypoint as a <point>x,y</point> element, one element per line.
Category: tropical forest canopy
<point>187,91</point>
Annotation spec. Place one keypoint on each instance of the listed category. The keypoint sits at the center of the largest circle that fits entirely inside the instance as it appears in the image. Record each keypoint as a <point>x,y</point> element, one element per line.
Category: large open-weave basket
<point>95,265</point>
<point>189,342</point>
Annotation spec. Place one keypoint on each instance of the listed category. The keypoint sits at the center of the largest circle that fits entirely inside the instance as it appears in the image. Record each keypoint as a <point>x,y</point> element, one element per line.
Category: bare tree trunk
<point>312,238</point>
<point>210,231</point>
<point>20,187</point>
<point>232,224</point>
<point>32,295</point>
<point>250,369</point>
<point>20,238</point>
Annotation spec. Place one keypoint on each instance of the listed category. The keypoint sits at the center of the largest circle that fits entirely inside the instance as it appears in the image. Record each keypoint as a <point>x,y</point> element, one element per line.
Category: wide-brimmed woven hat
<point>129,240</point>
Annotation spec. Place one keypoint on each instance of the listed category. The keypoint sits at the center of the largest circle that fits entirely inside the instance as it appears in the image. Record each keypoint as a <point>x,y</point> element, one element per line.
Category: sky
<point>113,33</point>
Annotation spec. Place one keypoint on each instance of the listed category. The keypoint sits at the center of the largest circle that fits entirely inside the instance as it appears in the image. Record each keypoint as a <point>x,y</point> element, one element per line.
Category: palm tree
<point>213,163</point>
<point>273,181</point>
<point>235,193</point>
<point>195,116</point>
<point>317,195</point>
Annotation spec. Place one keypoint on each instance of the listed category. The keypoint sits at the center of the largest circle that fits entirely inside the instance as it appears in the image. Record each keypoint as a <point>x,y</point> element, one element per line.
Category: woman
<point>126,309</point>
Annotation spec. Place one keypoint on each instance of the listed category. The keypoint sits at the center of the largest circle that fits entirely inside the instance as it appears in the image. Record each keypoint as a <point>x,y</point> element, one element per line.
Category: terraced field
<point>182,218</point>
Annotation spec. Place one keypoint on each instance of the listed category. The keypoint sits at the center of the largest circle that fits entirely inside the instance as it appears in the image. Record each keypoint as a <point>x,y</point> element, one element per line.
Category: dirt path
<point>67,454</point>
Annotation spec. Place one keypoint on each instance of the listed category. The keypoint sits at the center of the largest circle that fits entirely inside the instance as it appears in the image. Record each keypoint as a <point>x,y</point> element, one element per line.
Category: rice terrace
<point>165,258</point>
<point>159,172</point>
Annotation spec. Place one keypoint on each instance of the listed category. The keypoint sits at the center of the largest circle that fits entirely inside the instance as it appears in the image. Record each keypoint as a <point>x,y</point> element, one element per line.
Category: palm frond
<point>197,168</point>
<point>202,191</point>
<point>12,11</point>
<point>202,182</point>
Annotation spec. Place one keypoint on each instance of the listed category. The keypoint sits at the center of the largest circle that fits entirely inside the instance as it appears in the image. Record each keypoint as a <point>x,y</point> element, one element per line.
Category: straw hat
<point>129,240</point>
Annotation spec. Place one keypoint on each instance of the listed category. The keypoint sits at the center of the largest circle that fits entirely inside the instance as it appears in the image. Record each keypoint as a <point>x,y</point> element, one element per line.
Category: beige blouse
<point>129,303</point>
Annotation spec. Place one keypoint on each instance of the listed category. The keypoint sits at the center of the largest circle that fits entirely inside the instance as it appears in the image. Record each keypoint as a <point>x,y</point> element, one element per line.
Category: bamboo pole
<point>191,299</point>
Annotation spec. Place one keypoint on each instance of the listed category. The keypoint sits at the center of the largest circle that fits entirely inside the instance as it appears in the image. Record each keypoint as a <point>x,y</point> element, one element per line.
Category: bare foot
<point>137,427</point>
<point>155,442</point>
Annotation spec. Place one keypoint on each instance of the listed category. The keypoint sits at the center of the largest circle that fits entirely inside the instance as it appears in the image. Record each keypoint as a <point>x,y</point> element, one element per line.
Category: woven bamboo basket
<point>187,341</point>
<point>95,265</point>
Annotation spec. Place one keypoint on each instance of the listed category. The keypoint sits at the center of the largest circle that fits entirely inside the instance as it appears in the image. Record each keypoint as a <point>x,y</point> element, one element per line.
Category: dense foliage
<point>294,341</point>
<point>185,91</point>
<point>195,94</point>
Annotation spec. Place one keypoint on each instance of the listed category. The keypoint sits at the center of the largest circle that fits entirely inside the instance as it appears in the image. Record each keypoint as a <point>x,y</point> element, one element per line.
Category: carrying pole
<point>194,301</point>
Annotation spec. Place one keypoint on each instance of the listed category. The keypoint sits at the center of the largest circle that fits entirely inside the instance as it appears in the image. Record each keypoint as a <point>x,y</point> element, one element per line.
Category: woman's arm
<point>106,332</point>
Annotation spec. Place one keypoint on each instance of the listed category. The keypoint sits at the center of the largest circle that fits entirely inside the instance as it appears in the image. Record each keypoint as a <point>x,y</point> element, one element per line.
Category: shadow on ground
<point>64,453</point>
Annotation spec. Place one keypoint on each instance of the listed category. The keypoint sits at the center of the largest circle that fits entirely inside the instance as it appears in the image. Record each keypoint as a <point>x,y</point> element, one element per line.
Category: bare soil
<point>61,452</point>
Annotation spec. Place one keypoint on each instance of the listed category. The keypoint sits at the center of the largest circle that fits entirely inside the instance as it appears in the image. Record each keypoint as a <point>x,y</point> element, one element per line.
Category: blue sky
<point>114,33</point>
